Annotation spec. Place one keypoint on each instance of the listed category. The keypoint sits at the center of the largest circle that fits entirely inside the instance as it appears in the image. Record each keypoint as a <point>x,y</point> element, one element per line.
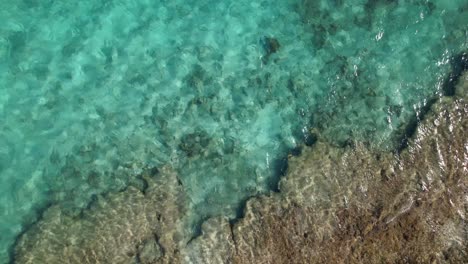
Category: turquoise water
<point>92,92</point>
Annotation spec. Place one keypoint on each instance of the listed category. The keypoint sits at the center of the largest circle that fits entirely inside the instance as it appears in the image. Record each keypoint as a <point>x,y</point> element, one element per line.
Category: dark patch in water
<point>239,214</point>
<point>153,171</point>
<point>193,144</point>
<point>280,168</point>
<point>240,211</point>
<point>197,230</point>
<point>296,151</point>
<point>413,124</point>
<point>459,64</point>
<point>310,139</point>
<point>40,215</point>
<point>270,45</point>
<point>140,183</point>
<point>92,201</point>
<point>347,142</point>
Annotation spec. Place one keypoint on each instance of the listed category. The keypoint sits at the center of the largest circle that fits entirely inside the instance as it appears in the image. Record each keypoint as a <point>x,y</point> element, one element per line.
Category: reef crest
<point>374,207</point>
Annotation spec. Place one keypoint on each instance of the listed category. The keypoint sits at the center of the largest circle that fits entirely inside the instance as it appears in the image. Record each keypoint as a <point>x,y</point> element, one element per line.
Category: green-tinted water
<point>92,92</point>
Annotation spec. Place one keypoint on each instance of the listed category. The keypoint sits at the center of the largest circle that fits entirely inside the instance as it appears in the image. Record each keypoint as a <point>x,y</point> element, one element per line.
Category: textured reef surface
<point>126,126</point>
<point>370,206</point>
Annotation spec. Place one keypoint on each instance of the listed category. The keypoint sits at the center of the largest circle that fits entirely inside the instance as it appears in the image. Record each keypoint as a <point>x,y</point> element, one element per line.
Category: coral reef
<point>335,205</point>
<point>220,90</point>
<point>352,67</point>
<point>131,226</point>
<point>352,205</point>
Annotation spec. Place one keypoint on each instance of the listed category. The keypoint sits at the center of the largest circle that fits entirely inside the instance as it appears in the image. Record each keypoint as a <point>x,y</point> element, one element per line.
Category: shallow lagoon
<point>91,93</point>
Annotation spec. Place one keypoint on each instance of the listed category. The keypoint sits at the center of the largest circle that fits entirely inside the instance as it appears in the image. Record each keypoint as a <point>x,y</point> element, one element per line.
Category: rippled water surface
<point>92,92</point>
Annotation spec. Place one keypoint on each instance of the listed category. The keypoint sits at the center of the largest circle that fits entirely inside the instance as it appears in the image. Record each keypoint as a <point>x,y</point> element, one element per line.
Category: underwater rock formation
<point>125,227</point>
<point>335,205</point>
<point>353,205</point>
<point>270,45</point>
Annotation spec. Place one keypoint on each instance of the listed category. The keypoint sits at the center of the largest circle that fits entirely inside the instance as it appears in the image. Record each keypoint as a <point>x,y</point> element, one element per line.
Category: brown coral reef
<point>132,226</point>
<point>336,205</point>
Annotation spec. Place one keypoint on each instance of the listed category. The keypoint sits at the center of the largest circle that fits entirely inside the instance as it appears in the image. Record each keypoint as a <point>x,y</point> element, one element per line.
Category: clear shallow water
<point>92,93</point>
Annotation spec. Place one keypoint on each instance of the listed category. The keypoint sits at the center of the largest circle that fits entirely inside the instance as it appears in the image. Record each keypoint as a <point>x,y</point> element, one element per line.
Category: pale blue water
<point>92,92</point>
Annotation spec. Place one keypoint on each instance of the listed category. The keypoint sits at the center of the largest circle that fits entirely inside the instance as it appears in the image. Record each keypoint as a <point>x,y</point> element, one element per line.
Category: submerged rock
<point>149,251</point>
<point>194,144</point>
<point>118,228</point>
<point>354,205</point>
<point>270,45</point>
<point>335,205</point>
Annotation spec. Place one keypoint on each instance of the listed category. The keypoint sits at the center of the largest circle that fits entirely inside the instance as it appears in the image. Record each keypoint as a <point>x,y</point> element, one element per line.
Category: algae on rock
<point>335,205</point>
